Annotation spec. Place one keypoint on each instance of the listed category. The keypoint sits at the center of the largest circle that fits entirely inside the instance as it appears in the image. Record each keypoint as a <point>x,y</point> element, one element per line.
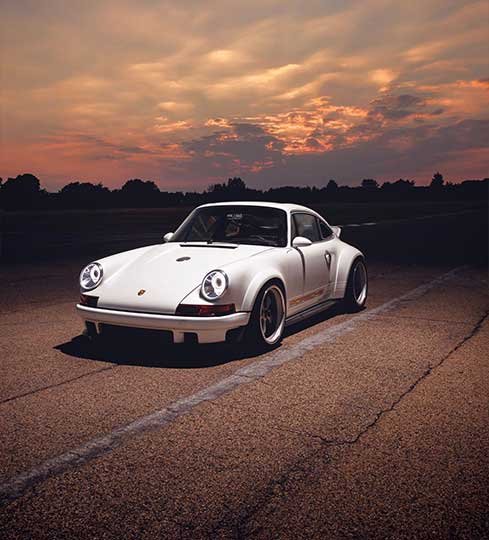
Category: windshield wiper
<point>223,245</point>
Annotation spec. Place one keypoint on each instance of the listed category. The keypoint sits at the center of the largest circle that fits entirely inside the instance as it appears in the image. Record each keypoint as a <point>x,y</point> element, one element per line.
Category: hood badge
<point>181,259</point>
<point>141,292</point>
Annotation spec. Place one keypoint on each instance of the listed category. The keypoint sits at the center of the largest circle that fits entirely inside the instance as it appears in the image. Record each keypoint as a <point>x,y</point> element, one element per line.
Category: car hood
<point>158,279</point>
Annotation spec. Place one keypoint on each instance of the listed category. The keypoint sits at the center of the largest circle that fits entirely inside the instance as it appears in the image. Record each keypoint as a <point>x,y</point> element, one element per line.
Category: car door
<point>315,260</point>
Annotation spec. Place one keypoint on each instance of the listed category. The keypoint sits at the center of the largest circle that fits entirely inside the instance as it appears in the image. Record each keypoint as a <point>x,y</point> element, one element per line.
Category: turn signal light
<point>194,310</point>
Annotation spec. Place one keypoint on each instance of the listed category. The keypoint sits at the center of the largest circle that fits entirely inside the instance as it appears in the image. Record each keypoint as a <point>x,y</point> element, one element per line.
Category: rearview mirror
<point>336,230</point>
<point>301,241</point>
<point>168,236</point>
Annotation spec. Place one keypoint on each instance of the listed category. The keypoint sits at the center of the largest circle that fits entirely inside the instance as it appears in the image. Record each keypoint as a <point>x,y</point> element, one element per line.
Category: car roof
<point>288,207</point>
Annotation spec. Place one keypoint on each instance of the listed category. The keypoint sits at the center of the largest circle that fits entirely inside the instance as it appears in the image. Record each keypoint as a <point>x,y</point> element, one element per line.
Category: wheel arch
<point>346,260</point>
<point>355,298</point>
<point>257,284</point>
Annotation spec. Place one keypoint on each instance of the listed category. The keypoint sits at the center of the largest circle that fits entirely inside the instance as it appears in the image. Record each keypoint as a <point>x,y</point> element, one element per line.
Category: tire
<point>267,321</point>
<point>357,287</point>
<point>90,331</point>
<point>93,338</point>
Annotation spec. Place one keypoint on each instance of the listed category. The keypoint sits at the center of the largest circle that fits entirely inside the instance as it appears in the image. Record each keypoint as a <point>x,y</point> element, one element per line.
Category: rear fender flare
<point>345,261</point>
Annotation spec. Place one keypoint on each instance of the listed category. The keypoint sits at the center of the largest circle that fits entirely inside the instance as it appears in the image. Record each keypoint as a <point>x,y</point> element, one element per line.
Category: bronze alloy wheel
<point>272,314</point>
<point>360,283</point>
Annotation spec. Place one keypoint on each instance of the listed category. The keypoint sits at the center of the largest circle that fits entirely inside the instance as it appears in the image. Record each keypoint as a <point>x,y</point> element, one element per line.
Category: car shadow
<point>156,353</point>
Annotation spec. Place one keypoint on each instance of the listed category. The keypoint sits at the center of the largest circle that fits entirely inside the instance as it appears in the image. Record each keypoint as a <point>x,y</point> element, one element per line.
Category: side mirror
<point>301,241</point>
<point>168,237</point>
<point>336,230</point>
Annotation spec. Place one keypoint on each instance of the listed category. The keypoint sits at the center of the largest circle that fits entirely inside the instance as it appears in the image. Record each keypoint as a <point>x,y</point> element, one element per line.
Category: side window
<point>306,226</point>
<point>326,232</point>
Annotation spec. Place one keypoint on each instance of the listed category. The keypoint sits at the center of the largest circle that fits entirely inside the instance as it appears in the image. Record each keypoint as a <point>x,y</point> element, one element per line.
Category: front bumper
<point>208,329</point>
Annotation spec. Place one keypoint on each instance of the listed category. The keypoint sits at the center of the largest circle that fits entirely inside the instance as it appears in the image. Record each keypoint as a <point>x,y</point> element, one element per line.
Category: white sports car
<point>231,270</point>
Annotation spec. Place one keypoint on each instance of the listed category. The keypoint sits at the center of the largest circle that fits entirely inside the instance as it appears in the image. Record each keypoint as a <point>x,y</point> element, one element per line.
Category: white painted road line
<point>17,486</point>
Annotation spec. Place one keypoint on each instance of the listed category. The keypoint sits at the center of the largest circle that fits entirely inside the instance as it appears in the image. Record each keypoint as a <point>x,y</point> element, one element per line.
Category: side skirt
<point>309,312</point>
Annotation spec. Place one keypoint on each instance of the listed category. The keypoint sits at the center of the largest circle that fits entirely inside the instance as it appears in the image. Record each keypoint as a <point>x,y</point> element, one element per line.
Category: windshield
<point>259,225</point>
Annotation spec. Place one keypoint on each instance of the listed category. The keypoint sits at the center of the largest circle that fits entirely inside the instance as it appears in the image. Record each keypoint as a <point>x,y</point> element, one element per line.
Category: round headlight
<point>91,276</point>
<point>214,285</point>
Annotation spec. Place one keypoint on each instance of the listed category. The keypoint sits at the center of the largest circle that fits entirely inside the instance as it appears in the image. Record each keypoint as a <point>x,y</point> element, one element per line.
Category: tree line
<point>24,192</point>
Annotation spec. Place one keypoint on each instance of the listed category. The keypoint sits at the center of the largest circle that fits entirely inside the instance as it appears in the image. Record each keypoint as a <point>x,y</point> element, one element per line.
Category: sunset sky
<point>189,93</point>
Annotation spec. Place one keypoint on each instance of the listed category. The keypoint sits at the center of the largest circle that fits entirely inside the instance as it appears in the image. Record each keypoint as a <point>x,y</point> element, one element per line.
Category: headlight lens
<point>214,285</point>
<point>91,276</point>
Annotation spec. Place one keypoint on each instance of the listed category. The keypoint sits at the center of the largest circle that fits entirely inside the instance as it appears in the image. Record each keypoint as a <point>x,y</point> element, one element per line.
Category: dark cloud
<point>133,150</point>
<point>382,156</point>
<point>463,135</point>
<point>92,139</point>
<point>246,130</point>
<point>396,107</point>
<point>99,142</point>
<point>313,143</point>
<point>237,151</point>
<point>378,157</point>
<point>105,157</point>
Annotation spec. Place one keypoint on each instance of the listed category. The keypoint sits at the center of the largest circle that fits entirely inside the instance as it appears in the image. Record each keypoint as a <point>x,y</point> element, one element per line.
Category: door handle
<point>327,256</point>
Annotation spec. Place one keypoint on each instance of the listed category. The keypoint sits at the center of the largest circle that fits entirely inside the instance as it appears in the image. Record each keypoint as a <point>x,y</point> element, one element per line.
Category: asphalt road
<point>369,425</point>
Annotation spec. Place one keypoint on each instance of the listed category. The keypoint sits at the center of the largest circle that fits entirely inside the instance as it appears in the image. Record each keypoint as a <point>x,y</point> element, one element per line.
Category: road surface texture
<point>367,425</point>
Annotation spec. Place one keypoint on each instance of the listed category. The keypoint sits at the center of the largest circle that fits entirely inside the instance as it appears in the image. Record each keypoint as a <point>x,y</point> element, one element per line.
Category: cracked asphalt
<point>370,425</point>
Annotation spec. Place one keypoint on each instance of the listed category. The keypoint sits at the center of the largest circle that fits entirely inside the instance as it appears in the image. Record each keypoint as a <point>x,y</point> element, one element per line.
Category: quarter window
<point>326,232</point>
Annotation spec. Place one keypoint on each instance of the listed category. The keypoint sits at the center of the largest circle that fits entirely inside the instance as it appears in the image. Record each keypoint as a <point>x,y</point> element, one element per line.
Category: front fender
<point>244,286</point>
<point>255,285</point>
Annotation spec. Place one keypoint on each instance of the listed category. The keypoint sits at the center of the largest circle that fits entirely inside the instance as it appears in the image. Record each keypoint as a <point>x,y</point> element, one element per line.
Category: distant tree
<point>437,181</point>
<point>236,184</point>
<point>216,188</point>
<point>332,186</point>
<point>78,188</point>
<point>474,189</point>
<point>140,187</point>
<point>370,184</point>
<point>23,191</point>
<point>84,195</point>
<point>234,188</point>
<point>138,192</point>
<point>403,185</point>
<point>398,188</point>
